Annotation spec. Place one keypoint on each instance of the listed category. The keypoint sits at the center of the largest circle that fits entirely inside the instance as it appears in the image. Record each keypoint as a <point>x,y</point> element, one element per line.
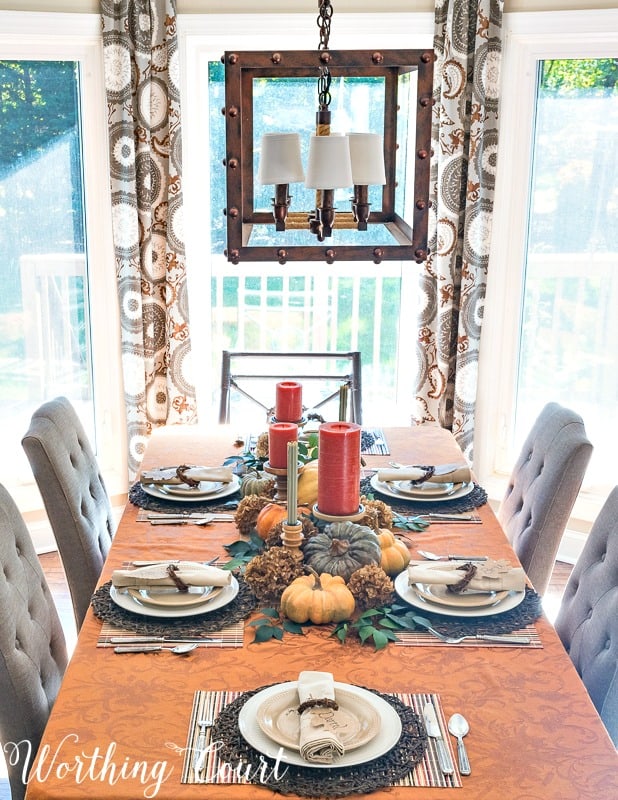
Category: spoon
<point>178,650</point>
<point>458,727</point>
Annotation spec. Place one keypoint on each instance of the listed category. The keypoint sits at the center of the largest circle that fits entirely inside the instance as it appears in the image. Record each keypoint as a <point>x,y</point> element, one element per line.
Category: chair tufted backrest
<point>74,494</point>
<point>33,653</point>
<point>543,488</point>
<point>587,622</point>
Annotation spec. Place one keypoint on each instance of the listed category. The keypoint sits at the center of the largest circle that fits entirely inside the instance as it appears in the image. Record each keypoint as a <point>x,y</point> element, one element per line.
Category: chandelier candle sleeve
<point>339,468</point>
<point>288,401</point>
<point>292,455</point>
<point>279,434</point>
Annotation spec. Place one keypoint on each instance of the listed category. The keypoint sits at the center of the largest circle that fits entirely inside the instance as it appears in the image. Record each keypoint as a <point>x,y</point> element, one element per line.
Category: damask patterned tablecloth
<point>118,730</point>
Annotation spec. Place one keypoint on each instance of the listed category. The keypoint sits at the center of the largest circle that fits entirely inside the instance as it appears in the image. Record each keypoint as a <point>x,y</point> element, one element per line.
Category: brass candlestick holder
<point>331,518</point>
<point>292,537</point>
<point>281,479</point>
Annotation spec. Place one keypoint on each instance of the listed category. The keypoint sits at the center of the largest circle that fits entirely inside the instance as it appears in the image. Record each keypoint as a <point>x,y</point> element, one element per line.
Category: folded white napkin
<point>318,741</point>
<point>169,475</point>
<point>460,474</point>
<point>490,576</point>
<point>189,572</point>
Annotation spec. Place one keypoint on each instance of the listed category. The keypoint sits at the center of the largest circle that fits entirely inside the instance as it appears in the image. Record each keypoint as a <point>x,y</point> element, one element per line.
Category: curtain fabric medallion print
<point>143,100</point>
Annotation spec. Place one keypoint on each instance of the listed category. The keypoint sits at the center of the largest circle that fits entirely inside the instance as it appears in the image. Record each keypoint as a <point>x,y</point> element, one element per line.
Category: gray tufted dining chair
<point>33,653</point>
<point>587,621</point>
<point>542,489</point>
<point>74,494</point>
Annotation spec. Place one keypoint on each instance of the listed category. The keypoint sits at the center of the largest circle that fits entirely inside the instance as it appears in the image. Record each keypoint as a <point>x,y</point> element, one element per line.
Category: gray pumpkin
<point>254,483</point>
<point>342,548</point>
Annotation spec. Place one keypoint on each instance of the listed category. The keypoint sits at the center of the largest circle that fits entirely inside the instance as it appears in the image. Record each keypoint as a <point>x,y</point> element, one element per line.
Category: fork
<point>485,637</point>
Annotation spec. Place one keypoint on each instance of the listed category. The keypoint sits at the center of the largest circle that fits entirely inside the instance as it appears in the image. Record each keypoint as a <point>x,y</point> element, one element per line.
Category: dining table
<point>128,725</point>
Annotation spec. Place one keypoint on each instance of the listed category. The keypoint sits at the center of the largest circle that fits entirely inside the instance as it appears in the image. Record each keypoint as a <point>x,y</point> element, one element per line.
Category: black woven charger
<point>529,610</point>
<point>201,624</point>
<point>142,499</point>
<point>477,497</point>
<point>379,773</point>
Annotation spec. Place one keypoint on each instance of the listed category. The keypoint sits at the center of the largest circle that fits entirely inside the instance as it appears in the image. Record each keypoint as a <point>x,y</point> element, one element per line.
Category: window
<point>554,264</point>
<point>291,307</point>
<point>57,266</point>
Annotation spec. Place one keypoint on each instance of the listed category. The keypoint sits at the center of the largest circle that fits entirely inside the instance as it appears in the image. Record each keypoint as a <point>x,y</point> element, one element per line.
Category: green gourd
<point>342,548</point>
<point>253,483</point>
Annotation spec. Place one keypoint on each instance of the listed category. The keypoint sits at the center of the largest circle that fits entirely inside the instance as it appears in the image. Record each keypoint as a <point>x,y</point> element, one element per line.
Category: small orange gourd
<point>395,554</point>
<point>268,517</point>
<point>317,598</point>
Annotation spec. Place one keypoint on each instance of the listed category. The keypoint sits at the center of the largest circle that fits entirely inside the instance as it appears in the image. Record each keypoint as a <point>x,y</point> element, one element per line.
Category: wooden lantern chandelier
<point>386,170</point>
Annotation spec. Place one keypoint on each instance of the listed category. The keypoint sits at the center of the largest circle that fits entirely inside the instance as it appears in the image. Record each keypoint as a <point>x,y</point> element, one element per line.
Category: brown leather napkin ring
<point>324,702</point>
<point>470,569</point>
<point>429,471</point>
<point>180,584</point>
<point>181,472</point>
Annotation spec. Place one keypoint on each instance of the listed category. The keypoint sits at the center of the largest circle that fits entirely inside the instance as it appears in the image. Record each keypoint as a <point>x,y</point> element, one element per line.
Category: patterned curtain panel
<point>143,99</point>
<point>468,50</point>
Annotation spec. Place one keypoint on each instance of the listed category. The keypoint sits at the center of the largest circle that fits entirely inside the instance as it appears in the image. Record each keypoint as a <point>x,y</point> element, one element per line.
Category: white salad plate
<point>390,489</point>
<point>386,737</point>
<point>172,598</point>
<point>203,489</point>
<point>156,490</point>
<point>356,720</point>
<point>128,600</point>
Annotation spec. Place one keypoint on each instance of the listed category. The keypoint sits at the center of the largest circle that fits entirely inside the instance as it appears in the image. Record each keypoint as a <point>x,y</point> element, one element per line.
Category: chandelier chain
<point>325,14</point>
<point>324,19</point>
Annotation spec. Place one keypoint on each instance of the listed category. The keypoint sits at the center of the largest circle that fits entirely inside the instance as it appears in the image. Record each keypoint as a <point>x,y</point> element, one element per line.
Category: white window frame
<point>39,36</point>
<point>528,39</point>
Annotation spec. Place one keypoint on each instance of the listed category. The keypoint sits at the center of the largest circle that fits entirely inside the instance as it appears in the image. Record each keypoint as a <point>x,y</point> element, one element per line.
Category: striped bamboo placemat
<point>208,705</point>
<point>231,636</point>
<point>426,639</point>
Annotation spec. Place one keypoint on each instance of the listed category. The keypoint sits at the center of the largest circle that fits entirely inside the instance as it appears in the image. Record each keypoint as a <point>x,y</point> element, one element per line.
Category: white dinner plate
<point>225,490</point>
<point>412,597</point>
<point>385,739</point>
<point>390,490</point>
<point>356,721</point>
<point>130,603</point>
<point>203,489</point>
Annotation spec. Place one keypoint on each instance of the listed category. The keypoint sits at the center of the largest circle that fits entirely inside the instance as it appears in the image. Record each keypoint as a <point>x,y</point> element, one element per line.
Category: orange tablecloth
<point>534,732</point>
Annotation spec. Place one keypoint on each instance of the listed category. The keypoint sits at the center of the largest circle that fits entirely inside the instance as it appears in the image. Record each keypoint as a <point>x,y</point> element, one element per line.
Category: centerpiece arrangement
<point>315,549</point>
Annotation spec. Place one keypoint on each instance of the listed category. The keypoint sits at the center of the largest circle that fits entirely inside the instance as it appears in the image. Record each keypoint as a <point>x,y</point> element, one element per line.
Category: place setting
<point>200,488</point>
<point>320,736</point>
<point>172,599</point>
<point>427,489</point>
<point>481,602</point>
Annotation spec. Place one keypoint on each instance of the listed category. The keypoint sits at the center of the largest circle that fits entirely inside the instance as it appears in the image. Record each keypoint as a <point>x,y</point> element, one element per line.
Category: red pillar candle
<point>339,463</point>
<point>279,434</point>
<point>289,401</point>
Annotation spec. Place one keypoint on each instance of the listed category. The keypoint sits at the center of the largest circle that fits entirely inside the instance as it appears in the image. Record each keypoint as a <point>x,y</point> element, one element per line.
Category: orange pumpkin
<point>268,517</point>
<point>395,554</point>
<point>317,598</point>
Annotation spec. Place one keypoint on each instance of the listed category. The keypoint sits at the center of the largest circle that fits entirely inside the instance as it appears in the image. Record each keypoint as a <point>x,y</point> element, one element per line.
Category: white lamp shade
<point>280,159</point>
<point>367,155</point>
<point>329,164</point>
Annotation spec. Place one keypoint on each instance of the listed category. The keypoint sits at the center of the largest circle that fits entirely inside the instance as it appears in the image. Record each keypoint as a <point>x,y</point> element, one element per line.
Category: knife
<point>433,729</point>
